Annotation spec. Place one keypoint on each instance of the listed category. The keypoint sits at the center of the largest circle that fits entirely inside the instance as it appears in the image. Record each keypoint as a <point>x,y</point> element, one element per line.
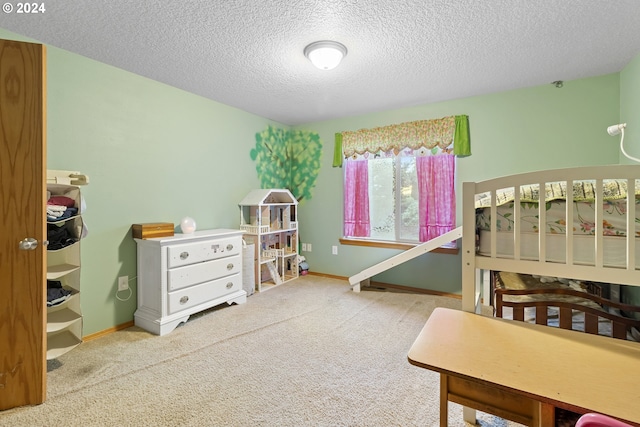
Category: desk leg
<point>444,400</point>
<point>468,414</point>
<point>544,415</point>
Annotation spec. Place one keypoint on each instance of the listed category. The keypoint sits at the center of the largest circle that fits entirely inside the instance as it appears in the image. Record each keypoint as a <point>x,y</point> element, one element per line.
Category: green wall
<point>156,154</point>
<point>629,109</point>
<point>516,131</point>
<point>153,153</point>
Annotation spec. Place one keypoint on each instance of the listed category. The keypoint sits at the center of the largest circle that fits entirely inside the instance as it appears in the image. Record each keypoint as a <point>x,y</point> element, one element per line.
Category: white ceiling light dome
<point>325,54</point>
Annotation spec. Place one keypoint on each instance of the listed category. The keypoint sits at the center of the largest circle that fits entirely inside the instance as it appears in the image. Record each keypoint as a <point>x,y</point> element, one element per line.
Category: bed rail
<point>576,307</point>
<point>598,270</point>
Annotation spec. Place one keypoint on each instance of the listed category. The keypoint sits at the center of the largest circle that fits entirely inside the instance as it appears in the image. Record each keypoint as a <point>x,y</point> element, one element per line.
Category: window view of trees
<point>409,227</point>
<point>382,198</point>
<point>393,199</point>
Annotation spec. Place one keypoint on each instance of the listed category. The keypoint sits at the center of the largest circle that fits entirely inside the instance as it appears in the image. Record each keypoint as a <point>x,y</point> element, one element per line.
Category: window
<point>393,199</point>
<point>409,197</point>
<point>399,180</point>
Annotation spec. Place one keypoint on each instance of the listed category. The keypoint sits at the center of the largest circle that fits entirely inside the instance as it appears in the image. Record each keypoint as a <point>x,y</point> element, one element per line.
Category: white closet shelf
<point>57,271</point>
<point>66,248</point>
<point>61,319</point>
<point>61,343</point>
<point>63,220</point>
<point>64,320</point>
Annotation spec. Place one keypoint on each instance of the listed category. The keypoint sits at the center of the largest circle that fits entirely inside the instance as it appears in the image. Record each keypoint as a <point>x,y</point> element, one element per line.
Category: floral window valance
<point>442,133</point>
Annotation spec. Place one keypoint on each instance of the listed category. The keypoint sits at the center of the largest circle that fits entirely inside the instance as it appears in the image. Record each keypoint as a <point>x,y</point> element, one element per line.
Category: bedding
<point>612,189</point>
<point>615,248</point>
<point>614,222</point>
<point>614,217</point>
<point>614,208</point>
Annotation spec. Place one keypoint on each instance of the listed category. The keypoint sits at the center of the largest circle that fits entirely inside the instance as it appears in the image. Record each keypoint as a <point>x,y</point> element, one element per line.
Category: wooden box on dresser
<point>187,273</point>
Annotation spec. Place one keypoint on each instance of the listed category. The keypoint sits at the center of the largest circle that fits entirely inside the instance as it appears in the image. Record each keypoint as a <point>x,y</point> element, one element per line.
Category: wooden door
<point>23,313</point>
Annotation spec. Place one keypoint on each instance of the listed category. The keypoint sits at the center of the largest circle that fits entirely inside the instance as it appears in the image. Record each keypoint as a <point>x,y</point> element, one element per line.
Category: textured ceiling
<point>248,53</point>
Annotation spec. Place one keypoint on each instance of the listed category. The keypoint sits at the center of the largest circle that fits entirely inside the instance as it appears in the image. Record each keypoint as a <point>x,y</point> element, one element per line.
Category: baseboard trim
<point>381,285</point>
<point>108,331</point>
<point>330,276</point>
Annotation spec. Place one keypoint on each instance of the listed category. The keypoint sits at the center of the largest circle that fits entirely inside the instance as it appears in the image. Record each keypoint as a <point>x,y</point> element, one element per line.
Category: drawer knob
<point>230,266</point>
<point>184,299</point>
<point>229,247</point>
<point>229,285</point>
<point>184,255</point>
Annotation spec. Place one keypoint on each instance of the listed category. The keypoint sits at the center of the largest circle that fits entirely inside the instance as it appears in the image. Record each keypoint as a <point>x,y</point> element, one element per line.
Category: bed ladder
<point>356,280</point>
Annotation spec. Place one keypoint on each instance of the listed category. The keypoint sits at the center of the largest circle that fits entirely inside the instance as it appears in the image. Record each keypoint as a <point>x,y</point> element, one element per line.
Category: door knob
<point>28,244</point>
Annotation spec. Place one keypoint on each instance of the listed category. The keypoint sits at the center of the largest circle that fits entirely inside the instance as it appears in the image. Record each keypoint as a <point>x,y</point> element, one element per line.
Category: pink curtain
<point>356,199</point>
<point>436,195</point>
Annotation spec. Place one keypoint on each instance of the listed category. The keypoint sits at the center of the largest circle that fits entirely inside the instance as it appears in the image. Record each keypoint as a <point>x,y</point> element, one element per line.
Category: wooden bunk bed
<point>567,304</point>
<point>589,216</point>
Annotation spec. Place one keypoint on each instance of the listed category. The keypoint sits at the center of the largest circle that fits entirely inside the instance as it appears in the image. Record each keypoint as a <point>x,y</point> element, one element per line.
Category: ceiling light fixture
<point>325,54</point>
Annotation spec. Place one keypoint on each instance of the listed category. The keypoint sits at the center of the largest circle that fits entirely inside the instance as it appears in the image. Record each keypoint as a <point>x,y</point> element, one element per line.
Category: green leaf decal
<point>288,159</point>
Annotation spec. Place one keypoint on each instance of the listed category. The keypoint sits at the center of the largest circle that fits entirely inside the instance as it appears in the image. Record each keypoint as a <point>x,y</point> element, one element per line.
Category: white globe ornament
<point>188,225</point>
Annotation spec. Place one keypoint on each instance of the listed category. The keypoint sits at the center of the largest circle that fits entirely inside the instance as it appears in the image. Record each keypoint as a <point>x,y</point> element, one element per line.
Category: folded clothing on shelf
<point>56,294</point>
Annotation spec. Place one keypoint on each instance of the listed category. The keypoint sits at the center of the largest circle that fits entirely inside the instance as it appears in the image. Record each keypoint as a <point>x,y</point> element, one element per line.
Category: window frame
<point>398,243</point>
<point>385,244</point>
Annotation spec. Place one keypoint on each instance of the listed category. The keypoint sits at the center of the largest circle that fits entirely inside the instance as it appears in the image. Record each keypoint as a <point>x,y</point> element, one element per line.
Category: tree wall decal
<point>288,159</point>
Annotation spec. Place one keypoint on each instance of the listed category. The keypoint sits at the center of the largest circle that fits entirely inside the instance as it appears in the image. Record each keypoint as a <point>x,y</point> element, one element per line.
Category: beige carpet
<point>308,353</point>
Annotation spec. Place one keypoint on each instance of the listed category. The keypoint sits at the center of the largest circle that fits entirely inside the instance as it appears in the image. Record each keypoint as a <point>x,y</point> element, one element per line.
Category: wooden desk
<point>522,372</point>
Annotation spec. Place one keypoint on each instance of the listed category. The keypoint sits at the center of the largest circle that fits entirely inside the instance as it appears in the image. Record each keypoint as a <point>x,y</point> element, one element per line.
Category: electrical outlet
<point>334,250</point>
<point>304,247</point>
<point>123,283</point>
<point>308,247</point>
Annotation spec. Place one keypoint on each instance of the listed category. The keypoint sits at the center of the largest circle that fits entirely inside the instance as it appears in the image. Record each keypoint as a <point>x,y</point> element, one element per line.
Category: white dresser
<point>185,274</point>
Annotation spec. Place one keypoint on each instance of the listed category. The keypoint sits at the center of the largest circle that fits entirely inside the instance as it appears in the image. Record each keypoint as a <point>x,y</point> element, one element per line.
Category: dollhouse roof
<point>268,197</point>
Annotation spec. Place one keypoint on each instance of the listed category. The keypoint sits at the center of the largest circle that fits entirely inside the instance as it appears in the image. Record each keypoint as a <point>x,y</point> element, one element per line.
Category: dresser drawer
<point>191,253</point>
<point>190,297</point>
<point>188,275</point>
